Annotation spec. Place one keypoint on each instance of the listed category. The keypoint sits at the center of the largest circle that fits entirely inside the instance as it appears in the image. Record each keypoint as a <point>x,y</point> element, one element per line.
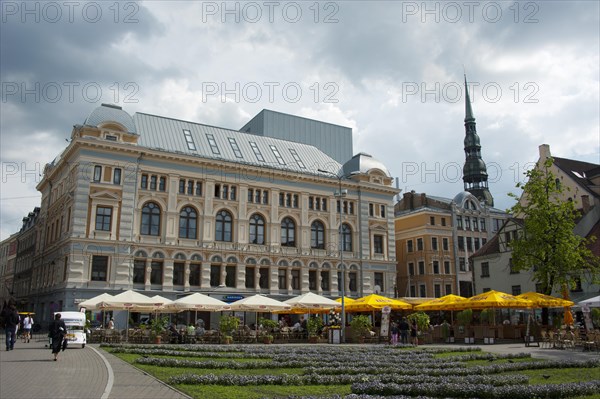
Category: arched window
<point>150,219</point>
<point>257,229</point>
<point>288,232</point>
<point>187,223</point>
<point>346,238</point>
<point>223,226</point>
<point>317,235</point>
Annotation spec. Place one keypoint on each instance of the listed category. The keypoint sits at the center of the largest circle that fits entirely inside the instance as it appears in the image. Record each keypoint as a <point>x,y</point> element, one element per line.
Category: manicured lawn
<point>326,370</point>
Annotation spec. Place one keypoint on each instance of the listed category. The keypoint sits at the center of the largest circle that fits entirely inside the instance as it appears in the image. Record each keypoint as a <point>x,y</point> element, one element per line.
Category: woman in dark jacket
<point>57,332</point>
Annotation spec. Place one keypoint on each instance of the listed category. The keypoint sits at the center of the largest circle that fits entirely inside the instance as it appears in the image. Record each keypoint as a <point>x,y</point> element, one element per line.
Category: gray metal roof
<point>167,134</point>
<point>110,113</point>
<point>363,163</point>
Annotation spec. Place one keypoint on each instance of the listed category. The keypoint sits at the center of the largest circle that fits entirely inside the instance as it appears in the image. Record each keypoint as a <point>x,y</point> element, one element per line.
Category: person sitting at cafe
<point>191,330</point>
<point>175,335</point>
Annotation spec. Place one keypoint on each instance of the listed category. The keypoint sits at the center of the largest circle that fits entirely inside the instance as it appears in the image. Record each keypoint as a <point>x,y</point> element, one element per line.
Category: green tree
<point>548,246</point>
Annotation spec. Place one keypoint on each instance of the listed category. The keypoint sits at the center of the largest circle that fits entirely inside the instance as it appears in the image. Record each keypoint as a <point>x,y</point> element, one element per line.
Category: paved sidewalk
<point>29,372</point>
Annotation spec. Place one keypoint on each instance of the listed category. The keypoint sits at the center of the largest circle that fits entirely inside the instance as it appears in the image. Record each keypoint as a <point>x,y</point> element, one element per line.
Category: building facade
<point>170,207</point>
<point>581,184</point>
<point>435,237</point>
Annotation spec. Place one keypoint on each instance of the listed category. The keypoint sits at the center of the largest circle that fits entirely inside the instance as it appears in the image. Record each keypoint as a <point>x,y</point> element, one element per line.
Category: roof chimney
<point>585,203</point>
<point>544,151</point>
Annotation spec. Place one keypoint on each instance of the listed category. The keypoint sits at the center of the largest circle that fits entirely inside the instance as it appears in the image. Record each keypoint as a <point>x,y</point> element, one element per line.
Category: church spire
<point>475,175</point>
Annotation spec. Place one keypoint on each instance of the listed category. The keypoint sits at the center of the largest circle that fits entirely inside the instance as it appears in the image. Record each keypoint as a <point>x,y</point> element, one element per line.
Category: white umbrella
<point>311,301</point>
<point>591,302</point>
<point>92,303</point>
<point>259,303</point>
<point>198,301</point>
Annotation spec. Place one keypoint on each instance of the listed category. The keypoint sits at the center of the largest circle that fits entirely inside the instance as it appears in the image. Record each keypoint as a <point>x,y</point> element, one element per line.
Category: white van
<point>75,322</point>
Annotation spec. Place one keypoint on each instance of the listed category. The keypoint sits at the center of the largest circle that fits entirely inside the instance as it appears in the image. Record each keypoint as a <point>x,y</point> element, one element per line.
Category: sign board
<point>385,323</point>
<point>386,309</point>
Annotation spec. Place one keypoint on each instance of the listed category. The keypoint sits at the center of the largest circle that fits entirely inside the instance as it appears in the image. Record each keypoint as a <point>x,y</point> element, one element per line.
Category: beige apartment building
<point>170,207</point>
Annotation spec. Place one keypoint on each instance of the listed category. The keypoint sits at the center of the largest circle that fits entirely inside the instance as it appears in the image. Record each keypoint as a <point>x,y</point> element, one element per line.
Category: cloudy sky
<point>392,71</point>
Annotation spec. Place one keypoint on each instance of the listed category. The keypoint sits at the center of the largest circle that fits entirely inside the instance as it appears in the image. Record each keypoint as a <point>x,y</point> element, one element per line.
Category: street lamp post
<point>340,195</point>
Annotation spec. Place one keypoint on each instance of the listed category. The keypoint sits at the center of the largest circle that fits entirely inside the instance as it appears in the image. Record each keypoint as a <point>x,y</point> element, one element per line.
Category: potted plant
<point>227,325</point>
<point>465,318</point>
<point>268,326</point>
<point>313,326</point>
<point>157,326</point>
<point>446,332</point>
<point>361,326</point>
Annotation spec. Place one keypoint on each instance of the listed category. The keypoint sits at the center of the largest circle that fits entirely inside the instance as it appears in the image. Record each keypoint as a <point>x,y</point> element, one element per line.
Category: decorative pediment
<point>105,195</point>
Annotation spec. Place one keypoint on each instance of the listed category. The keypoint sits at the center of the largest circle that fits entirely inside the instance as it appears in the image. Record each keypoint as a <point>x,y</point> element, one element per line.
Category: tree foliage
<point>548,245</point>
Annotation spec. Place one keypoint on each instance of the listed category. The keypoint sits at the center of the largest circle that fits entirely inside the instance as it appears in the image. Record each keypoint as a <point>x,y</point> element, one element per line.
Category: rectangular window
<point>382,211</point>
<point>103,218</point>
<point>190,187</point>
<point>447,267</point>
<point>189,140</point>
<point>475,223</point>
<point>296,279</point>
<point>421,267</point>
<point>461,243</point>
<point>181,186</point>
<point>297,158</point>
<point>213,144</point>
<point>265,197</point>
<point>485,269</point>
<point>257,197</point>
<point>325,280</point>
<point>217,191</point>
<point>482,224</point>
<point>199,188</point>
<point>422,291</point>
<point>432,220</point>
<point>311,203</point>
<point>195,274</point>
<point>312,280</point>
<point>467,223</point>
<point>511,267</point>
<point>99,268</point>
<point>448,289</point>
<point>225,191</point>
<point>250,278</point>
<point>434,243</point>
<point>469,244</point>
<point>263,280</point>
<point>295,201</point>
<point>232,193</point>
<point>162,183</point>
<point>250,195</point>
<point>230,276</point>
<point>378,279</point>
<point>409,245</point>
<point>277,154</point>
<point>436,267</point>
<point>117,176</point>
<point>445,244</point>
<point>413,291</point>
<point>235,147</point>
<point>419,244</point>
<point>215,275</point>
<point>178,273</point>
<point>476,244</point>
<point>352,281</point>
<point>281,199</point>
<point>370,210</point>
<point>139,271</point>
<point>378,244</point>
<point>516,290</point>
<point>97,173</point>
<point>462,265</point>
<point>282,279</point>
<point>156,272</point>
<point>153,182</point>
<point>459,223</point>
<point>443,221</point>
<point>411,269</point>
<point>437,290</point>
<point>257,152</point>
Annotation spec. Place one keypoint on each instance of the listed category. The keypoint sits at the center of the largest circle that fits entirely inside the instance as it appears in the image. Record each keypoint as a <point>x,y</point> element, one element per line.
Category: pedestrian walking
<point>57,332</point>
<point>395,330</point>
<point>404,327</point>
<point>10,318</point>
<point>414,333</point>
<point>27,326</point>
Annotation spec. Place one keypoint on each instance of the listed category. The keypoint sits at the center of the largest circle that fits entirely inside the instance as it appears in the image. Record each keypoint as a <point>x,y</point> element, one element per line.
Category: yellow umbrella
<point>447,302</point>
<point>494,299</point>
<point>376,302</point>
<point>346,300</point>
<point>545,301</point>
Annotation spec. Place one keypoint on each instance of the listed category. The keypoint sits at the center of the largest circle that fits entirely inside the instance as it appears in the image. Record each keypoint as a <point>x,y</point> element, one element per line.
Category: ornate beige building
<point>168,207</point>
